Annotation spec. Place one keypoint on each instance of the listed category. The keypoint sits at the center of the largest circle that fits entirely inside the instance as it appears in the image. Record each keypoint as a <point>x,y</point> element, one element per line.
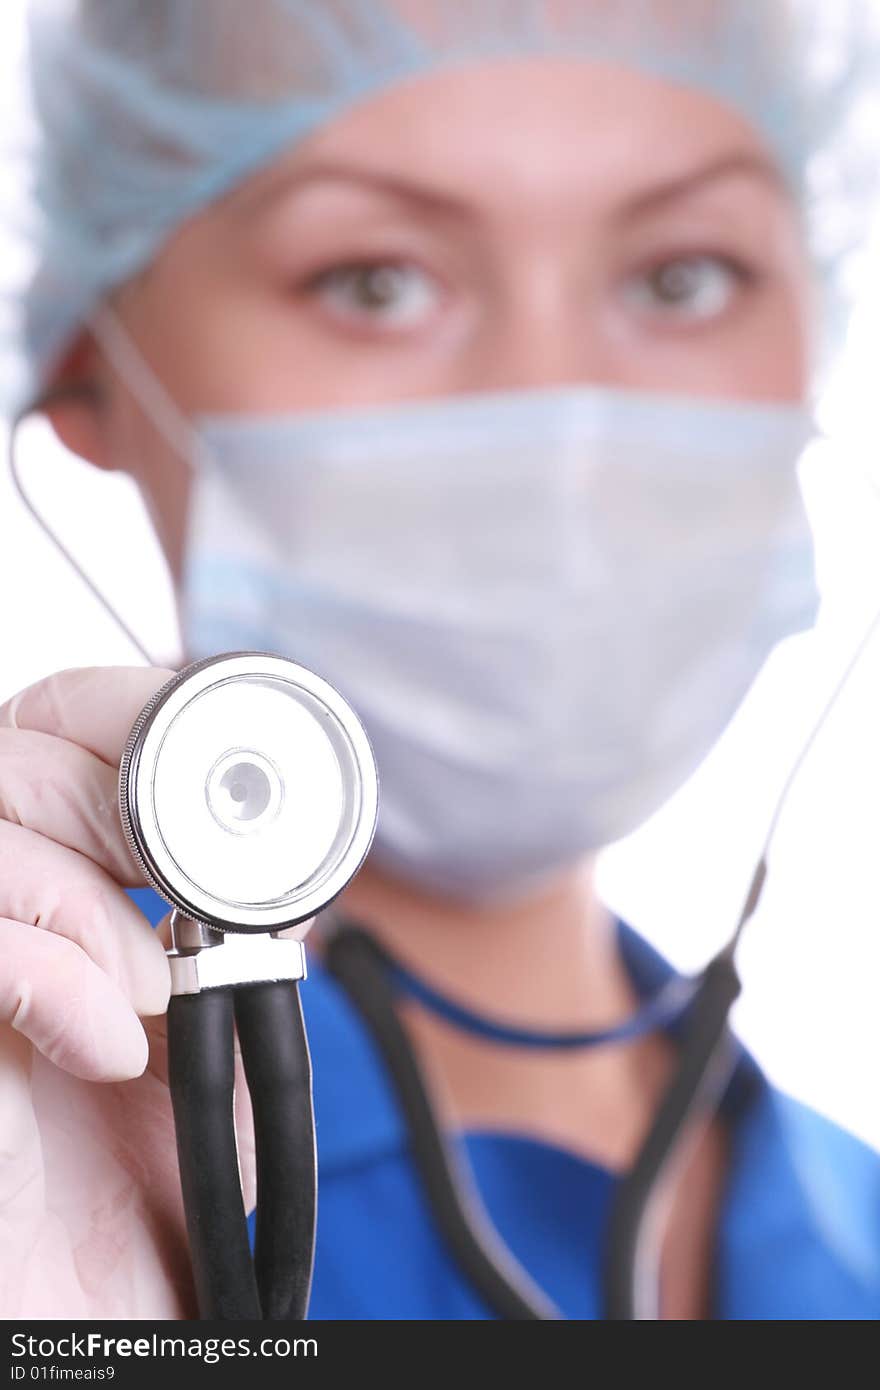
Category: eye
<point>688,288</point>
<point>392,294</point>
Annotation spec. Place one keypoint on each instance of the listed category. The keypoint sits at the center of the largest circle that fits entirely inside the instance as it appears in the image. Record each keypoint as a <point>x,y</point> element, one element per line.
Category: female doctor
<point>461,352</point>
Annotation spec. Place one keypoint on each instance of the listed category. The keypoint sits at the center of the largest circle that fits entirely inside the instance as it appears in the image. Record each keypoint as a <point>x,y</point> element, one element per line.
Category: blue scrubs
<point>799,1226</point>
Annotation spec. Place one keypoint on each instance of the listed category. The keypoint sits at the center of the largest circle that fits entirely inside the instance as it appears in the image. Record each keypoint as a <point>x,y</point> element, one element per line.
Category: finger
<point>94,707</point>
<point>72,1012</point>
<point>67,794</point>
<point>58,892</point>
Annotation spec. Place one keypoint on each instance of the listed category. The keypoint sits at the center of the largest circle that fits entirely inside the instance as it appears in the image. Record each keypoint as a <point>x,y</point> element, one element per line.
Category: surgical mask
<point>545,606</point>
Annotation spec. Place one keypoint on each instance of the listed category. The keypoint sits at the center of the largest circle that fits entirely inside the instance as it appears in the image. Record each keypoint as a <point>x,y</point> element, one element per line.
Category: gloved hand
<point>91,1217</point>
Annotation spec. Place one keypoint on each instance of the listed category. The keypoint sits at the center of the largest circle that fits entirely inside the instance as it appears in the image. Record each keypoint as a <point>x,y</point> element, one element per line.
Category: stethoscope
<point>249,796</point>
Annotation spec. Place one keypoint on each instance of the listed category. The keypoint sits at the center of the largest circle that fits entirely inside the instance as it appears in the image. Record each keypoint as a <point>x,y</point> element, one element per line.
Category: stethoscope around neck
<point>249,797</point>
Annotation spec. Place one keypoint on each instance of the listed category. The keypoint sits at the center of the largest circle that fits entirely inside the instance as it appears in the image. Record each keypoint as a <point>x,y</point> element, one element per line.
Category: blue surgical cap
<point>144,111</point>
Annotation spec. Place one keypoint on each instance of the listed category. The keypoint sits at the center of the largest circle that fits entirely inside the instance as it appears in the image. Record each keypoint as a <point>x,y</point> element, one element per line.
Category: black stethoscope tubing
<point>230,1283</point>
<point>629,1275</point>
<point>357,963</point>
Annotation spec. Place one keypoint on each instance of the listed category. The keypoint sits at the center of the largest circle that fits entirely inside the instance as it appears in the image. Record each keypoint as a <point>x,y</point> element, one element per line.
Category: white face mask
<point>544,605</point>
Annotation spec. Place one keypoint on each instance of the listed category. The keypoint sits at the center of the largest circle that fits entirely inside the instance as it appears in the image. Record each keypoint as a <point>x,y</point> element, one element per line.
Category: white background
<point>811,959</point>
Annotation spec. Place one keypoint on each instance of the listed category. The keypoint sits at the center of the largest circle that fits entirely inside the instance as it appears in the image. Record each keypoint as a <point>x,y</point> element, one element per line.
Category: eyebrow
<point>405,189</point>
<point>652,199</point>
<point>729,166</point>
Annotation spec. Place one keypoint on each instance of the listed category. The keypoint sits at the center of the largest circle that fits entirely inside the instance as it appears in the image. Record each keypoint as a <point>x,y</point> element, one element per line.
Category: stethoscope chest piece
<point>248,792</point>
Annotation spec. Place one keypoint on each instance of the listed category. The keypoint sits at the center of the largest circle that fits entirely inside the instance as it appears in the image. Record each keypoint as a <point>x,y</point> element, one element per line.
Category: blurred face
<point>506,226</point>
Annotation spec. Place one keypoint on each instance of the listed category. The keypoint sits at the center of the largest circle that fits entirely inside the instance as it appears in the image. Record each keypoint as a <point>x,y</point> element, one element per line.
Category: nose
<point>539,332</point>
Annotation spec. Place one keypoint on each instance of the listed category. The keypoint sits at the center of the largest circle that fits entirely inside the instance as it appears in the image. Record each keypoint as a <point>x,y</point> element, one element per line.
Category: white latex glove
<point>91,1216</point>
